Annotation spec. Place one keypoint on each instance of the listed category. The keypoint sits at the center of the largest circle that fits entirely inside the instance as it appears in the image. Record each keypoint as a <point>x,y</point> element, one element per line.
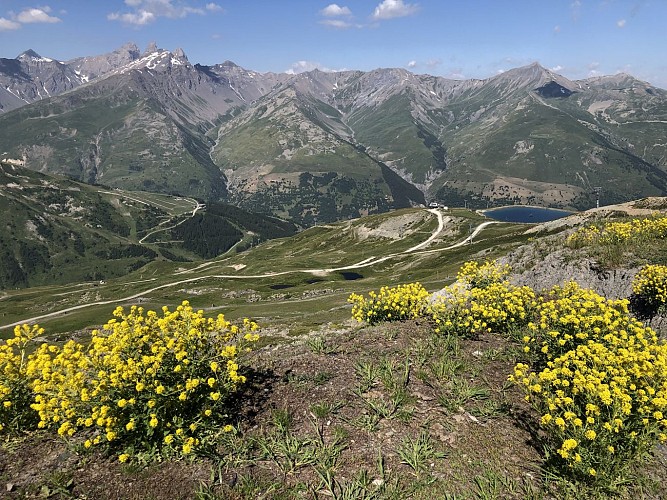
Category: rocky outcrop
<point>543,272</point>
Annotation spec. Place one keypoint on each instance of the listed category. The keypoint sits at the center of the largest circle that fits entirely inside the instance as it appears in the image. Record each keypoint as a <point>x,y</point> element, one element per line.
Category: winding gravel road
<point>318,272</point>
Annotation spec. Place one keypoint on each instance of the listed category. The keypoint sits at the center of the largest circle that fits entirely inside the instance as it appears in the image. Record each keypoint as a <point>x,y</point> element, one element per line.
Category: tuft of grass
<point>419,454</point>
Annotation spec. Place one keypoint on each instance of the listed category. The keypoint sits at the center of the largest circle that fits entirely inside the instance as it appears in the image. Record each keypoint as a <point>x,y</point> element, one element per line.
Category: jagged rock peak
<point>533,75</point>
<point>229,64</point>
<point>150,48</point>
<point>31,55</point>
<point>129,48</point>
<point>179,55</point>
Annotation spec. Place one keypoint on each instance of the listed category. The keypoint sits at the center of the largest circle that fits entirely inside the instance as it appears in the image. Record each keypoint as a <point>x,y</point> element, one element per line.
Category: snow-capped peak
<point>31,55</point>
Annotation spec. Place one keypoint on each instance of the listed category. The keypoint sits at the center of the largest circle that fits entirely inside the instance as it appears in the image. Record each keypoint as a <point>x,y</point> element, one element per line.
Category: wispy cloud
<point>147,11</point>
<point>621,23</point>
<point>36,15</point>
<point>556,68</point>
<point>335,10</point>
<point>302,66</point>
<point>557,29</point>
<point>433,63</point>
<point>389,9</point>
<point>593,69</point>
<point>575,9</point>
<point>30,15</point>
<point>456,74</point>
<point>412,64</point>
<point>337,23</point>
<point>8,25</point>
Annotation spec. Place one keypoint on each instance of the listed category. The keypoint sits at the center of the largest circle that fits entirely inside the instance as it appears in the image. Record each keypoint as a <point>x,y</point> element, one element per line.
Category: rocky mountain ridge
<point>333,144</point>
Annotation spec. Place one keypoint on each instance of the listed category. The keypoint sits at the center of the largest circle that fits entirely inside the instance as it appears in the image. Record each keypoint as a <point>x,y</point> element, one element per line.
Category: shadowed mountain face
<point>323,146</point>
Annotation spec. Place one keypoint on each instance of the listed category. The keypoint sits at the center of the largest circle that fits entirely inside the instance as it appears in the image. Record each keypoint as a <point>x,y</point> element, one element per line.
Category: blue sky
<point>451,38</point>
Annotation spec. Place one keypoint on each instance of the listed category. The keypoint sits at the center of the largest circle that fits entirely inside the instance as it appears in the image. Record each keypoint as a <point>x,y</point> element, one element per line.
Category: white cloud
<point>412,64</point>
<point>36,15</point>
<point>456,75</point>
<point>140,18</point>
<point>7,25</point>
<point>335,10</point>
<point>337,23</point>
<point>389,9</point>
<point>621,23</point>
<point>556,68</point>
<point>302,66</point>
<point>147,11</point>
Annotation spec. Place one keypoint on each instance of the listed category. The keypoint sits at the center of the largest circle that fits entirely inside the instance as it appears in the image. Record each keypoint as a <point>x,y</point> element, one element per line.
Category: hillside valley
<point>56,230</point>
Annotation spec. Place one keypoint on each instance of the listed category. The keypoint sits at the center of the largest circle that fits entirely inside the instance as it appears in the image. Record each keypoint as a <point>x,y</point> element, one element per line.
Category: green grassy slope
<point>298,278</point>
<point>56,230</point>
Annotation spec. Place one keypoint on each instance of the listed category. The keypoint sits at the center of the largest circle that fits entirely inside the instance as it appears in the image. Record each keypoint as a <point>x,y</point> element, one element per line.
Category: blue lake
<point>526,214</point>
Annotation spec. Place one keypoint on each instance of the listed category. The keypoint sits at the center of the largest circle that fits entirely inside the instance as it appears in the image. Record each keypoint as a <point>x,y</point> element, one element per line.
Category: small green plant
<point>458,392</point>
<point>319,346</point>
<point>445,367</point>
<point>324,409</point>
<point>366,421</point>
<point>367,372</point>
<point>287,451</point>
<point>281,419</point>
<point>418,454</point>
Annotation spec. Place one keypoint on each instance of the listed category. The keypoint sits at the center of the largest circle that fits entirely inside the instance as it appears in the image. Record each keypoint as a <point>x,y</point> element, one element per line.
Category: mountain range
<point>321,146</point>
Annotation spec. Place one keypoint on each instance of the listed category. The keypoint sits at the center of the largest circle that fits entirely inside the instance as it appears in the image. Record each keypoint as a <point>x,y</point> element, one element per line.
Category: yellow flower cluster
<point>570,315</point>
<point>498,306</point>
<point>481,275</point>
<point>15,393</point>
<point>602,394</point>
<point>145,380</point>
<point>612,233</point>
<point>650,284</point>
<point>390,304</point>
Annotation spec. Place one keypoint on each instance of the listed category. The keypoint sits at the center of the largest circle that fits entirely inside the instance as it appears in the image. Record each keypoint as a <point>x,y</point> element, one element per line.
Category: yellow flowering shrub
<point>481,275</point>
<point>568,316</point>
<point>498,306</point>
<point>598,379</point>
<point>613,233</point>
<point>146,381</point>
<point>602,404</point>
<point>650,284</point>
<point>390,304</point>
<point>15,392</point>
